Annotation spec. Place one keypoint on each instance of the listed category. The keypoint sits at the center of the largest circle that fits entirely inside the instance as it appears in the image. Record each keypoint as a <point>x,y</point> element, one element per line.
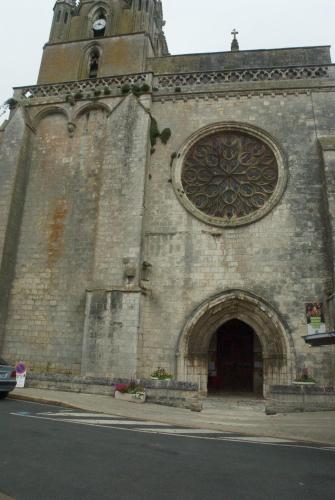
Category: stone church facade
<point>172,211</point>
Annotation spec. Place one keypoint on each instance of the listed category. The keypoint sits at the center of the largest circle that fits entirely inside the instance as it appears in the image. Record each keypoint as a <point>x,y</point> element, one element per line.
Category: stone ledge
<point>299,398</point>
<point>164,392</point>
<point>160,384</point>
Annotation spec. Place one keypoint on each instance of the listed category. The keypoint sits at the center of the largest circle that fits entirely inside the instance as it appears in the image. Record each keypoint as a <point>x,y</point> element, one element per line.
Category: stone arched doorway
<point>235,360</point>
<point>195,340</point>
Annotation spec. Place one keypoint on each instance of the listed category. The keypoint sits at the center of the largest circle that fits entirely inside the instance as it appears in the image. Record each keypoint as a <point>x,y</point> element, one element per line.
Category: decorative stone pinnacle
<point>234,44</point>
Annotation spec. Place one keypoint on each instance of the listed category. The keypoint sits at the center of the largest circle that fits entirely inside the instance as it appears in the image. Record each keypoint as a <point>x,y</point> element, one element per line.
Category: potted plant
<point>161,374</point>
<point>130,392</point>
<point>304,378</point>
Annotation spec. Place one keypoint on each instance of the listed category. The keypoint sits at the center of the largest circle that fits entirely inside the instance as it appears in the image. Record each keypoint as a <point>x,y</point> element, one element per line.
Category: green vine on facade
<point>155,134</point>
<point>137,90</point>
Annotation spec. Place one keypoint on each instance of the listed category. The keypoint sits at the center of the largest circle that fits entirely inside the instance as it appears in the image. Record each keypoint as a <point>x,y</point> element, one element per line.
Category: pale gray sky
<point>191,26</point>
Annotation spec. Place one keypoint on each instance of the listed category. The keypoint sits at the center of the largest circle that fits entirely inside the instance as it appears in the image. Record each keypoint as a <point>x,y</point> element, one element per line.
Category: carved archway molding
<point>70,114</point>
<point>273,334</point>
<point>47,111</point>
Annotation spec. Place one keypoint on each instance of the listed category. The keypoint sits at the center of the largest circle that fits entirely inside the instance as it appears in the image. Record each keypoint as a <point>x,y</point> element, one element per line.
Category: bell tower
<point>121,33</point>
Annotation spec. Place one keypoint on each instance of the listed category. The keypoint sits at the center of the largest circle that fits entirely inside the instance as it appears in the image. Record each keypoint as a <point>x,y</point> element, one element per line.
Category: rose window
<point>229,175</point>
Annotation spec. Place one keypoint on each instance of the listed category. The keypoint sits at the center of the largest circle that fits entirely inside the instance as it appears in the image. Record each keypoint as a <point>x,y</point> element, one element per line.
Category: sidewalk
<point>227,415</point>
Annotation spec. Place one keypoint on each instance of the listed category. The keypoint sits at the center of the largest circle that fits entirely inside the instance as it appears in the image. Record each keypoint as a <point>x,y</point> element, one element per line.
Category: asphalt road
<point>43,457</point>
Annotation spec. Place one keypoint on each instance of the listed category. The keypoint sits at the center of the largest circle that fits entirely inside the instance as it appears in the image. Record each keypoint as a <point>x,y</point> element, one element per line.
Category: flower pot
<point>131,398</point>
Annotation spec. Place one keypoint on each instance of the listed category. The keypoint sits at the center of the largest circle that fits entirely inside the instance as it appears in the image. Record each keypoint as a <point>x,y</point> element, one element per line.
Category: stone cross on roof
<point>234,44</point>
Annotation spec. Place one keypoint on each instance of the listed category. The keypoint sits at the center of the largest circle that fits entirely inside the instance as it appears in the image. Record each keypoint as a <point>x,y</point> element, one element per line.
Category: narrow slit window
<point>66,17</point>
<point>58,16</point>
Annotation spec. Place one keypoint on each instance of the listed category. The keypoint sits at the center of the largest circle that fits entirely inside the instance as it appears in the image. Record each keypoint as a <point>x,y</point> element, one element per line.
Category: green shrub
<point>125,89</point>
<point>165,135</point>
<point>145,88</point>
<point>11,103</point>
<point>154,132</point>
<point>136,89</point>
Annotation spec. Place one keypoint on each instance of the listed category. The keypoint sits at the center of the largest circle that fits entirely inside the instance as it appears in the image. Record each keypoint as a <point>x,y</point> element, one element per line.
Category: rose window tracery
<point>229,175</point>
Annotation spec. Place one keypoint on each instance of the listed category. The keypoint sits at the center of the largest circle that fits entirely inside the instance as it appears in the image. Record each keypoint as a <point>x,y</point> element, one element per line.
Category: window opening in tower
<point>94,64</point>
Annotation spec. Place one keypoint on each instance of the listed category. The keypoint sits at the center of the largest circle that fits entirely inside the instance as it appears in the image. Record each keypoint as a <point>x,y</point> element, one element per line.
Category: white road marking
<point>184,431</point>
<point>73,414</point>
<point>111,422</point>
<point>260,439</point>
<point>184,434</point>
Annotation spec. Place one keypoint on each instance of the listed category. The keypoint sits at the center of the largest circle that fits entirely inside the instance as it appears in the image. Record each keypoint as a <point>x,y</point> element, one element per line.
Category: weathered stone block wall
<point>324,109</point>
<point>119,231</point>
<point>14,170</point>
<point>281,258</point>
<point>56,248</point>
<point>121,55</point>
<point>118,247</point>
<point>219,61</point>
<point>74,304</point>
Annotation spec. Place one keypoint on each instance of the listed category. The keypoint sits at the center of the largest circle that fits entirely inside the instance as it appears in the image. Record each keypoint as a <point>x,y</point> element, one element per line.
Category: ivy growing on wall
<point>135,89</point>
<point>155,133</point>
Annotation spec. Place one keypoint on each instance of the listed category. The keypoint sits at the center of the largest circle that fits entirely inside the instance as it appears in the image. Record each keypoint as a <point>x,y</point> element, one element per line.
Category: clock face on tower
<point>99,25</point>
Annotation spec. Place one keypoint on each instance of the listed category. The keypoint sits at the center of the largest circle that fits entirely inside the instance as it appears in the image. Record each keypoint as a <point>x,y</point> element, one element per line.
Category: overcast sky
<point>191,26</point>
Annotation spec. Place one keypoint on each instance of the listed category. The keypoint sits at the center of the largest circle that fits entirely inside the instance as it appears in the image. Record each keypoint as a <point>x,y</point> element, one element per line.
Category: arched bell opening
<point>99,23</point>
<point>223,315</point>
<point>235,360</point>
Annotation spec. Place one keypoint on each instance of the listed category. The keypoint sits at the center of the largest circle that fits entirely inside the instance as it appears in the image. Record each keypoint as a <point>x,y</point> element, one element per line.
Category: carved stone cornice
<point>84,87</point>
<point>242,75</point>
<point>181,84</point>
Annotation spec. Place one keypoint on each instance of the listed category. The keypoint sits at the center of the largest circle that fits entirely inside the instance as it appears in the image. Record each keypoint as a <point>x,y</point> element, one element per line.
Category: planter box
<point>168,392</point>
<point>130,398</point>
<point>299,397</point>
<point>166,379</point>
<point>304,383</point>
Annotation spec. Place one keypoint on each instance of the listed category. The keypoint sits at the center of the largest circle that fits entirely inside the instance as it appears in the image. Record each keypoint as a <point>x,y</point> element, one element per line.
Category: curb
<point>51,402</point>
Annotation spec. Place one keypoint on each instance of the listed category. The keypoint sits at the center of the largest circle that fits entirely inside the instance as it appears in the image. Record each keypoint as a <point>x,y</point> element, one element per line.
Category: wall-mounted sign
<point>315,318</point>
<point>21,373</point>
